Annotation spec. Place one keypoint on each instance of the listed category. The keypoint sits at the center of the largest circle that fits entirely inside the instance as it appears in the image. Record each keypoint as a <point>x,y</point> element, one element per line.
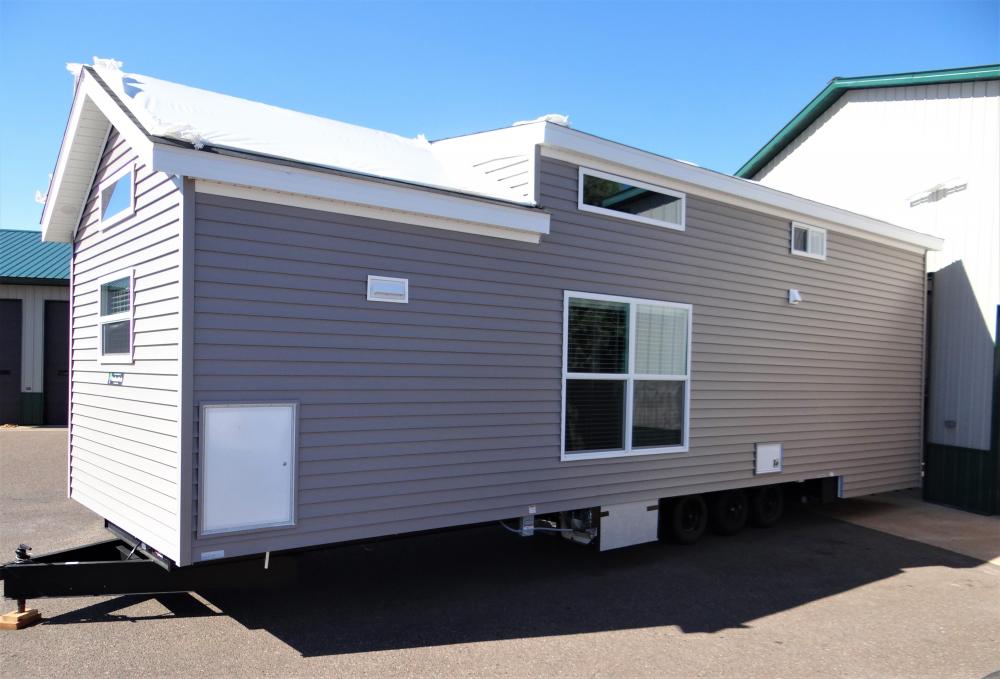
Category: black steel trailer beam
<point>114,567</point>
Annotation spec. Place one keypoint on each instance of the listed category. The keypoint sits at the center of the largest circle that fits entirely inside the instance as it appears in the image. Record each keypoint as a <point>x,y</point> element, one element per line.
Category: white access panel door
<point>247,466</point>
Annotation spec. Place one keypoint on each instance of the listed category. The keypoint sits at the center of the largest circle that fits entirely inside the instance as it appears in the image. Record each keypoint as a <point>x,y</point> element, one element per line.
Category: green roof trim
<point>822,101</point>
<point>25,259</point>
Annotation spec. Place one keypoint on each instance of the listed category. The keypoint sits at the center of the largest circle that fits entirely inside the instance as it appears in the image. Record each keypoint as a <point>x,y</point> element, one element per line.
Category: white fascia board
<point>566,144</point>
<point>281,184</point>
<point>70,186</point>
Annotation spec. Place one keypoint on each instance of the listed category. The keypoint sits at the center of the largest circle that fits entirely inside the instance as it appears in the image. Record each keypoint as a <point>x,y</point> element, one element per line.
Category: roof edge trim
<point>836,87</point>
<point>576,146</point>
<point>62,212</point>
<point>393,202</point>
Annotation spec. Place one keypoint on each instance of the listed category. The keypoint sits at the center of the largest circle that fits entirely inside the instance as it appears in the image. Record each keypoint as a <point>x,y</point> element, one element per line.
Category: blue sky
<point>708,82</point>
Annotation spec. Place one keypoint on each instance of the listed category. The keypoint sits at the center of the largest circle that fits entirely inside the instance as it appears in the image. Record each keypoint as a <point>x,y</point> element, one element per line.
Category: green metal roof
<point>25,259</point>
<point>822,101</point>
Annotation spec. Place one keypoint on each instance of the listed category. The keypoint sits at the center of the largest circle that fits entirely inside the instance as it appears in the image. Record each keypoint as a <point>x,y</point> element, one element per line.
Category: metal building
<point>34,329</point>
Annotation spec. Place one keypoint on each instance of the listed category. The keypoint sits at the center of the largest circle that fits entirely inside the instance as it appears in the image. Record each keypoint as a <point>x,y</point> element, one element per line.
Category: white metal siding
<point>874,152</point>
<point>124,439</point>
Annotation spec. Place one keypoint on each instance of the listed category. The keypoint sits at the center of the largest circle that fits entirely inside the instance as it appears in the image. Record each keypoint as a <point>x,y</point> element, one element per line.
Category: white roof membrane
<point>205,118</point>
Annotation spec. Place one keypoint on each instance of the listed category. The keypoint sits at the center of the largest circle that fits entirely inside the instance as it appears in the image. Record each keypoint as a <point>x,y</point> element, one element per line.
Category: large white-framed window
<point>808,241</point>
<point>116,317</point>
<point>116,199</point>
<point>626,387</point>
<point>623,198</point>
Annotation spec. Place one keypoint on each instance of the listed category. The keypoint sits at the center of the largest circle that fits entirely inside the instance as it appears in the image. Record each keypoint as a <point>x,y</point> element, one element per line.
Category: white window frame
<point>624,215</point>
<point>810,229</point>
<point>629,378</point>
<point>124,213</point>
<point>102,319</point>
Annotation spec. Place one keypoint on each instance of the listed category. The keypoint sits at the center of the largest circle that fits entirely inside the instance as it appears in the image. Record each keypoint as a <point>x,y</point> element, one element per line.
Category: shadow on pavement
<point>483,584</point>
<point>179,605</point>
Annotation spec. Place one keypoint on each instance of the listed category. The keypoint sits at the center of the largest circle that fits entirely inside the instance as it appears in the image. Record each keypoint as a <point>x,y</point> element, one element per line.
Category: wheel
<point>730,511</point>
<point>766,506</point>
<point>687,519</point>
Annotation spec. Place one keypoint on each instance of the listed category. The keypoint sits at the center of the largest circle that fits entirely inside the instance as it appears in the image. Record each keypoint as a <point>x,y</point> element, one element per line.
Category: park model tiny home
<point>289,331</point>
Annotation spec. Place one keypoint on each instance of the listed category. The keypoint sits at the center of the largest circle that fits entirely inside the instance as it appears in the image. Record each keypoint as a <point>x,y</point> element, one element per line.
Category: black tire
<point>687,519</point>
<point>767,506</point>
<point>730,511</point>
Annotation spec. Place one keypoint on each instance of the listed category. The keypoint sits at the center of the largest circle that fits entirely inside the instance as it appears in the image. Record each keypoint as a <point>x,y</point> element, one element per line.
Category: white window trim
<point>124,213</point>
<point>624,215</point>
<point>102,320</point>
<point>809,229</point>
<point>629,378</point>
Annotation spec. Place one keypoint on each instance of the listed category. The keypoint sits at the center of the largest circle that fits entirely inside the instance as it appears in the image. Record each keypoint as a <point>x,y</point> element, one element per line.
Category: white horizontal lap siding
<point>124,443</point>
<point>446,410</point>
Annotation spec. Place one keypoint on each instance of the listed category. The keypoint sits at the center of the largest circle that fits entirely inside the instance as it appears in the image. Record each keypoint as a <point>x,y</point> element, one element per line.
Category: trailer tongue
<point>124,565</point>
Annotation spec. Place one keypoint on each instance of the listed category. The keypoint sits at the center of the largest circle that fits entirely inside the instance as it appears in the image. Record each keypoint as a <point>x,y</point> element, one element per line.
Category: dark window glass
<point>595,415</point>
<point>115,298</point>
<point>800,239</point>
<point>117,197</point>
<point>621,197</point>
<point>657,414</point>
<point>115,337</point>
<point>598,336</point>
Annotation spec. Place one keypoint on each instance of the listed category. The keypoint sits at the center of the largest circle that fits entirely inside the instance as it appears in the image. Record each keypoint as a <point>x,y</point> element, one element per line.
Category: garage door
<point>10,361</point>
<point>56,362</point>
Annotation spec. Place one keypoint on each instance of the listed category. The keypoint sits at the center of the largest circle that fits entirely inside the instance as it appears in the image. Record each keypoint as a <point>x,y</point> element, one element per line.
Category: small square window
<point>118,197</point>
<point>808,241</point>
<point>115,319</point>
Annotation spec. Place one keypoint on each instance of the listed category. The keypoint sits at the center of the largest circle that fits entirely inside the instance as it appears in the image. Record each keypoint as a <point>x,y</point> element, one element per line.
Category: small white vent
<point>382,289</point>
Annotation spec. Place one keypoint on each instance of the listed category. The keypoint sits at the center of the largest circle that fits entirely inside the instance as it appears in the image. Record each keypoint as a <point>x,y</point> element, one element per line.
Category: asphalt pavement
<point>813,596</point>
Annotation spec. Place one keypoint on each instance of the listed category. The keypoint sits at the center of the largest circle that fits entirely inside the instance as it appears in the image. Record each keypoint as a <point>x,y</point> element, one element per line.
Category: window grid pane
<point>658,413</point>
<point>661,340</point>
<point>116,337</point>
<point>597,340</point>
<point>595,415</point>
<point>800,239</point>
<point>115,298</point>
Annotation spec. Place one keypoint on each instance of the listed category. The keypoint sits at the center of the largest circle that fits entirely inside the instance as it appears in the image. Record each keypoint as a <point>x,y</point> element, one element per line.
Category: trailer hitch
<point>23,616</point>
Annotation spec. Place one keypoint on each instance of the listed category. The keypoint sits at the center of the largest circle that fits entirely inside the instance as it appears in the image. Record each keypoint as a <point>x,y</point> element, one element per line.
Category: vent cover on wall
<point>382,289</point>
<point>768,458</point>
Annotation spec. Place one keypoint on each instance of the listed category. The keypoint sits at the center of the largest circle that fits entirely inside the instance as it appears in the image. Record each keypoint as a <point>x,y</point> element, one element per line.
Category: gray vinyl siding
<point>446,410</point>
<point>851,157</point>
<point>124,439</point>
